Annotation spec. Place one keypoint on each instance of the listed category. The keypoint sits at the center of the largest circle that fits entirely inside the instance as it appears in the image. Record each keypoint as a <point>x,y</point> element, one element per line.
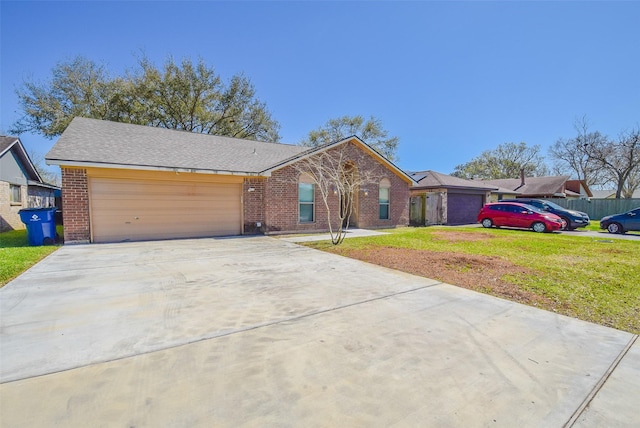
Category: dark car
<point>621,223</point>
<point>573,219</point>
<point>513,214</point>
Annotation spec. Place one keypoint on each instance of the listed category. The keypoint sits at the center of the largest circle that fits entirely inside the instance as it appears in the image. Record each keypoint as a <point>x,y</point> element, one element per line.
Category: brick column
<point>253,206</point>
<point>75,205</point>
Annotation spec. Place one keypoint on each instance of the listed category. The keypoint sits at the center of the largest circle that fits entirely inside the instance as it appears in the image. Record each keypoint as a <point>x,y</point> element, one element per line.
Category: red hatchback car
<point>513,214</point>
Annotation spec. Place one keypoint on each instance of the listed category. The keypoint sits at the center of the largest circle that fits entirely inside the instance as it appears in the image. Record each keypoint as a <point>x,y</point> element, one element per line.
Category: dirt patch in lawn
<point>481,273</point>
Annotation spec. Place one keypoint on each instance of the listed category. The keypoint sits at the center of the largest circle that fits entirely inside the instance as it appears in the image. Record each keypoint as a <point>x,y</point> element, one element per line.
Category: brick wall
<point>9,217</point>
<point>281,199</point>
<point>281,205</point>
<point>253,205</point>
<point>75,205</point>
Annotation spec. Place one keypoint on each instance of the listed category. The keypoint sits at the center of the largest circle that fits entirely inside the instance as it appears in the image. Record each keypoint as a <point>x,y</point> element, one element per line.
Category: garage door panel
<point>463,208</point>
<point>141,210</point>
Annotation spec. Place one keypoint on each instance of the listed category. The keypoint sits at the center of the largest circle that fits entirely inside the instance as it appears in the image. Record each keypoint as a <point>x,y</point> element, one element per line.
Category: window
<point>306,198</point>
<point>15,195</point>
<point>383,199</point>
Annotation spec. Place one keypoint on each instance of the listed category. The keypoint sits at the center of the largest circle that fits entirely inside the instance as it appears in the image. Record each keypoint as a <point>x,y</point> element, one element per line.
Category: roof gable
<point>576,186</point>
<point>353,139</point>
<point>114,144</point>
<point>14,146</point>
<point>429,179</point>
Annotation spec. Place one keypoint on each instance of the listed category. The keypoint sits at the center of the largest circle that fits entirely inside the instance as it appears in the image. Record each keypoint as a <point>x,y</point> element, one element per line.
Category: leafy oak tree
<point>187,96</point>
<point>370,131</point>
<point>506,161</point>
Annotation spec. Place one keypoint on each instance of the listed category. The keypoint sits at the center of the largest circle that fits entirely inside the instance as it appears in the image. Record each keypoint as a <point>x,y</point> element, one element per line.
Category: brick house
<point>438,198</point>
<point>123,182</point>
<point>20,184</point>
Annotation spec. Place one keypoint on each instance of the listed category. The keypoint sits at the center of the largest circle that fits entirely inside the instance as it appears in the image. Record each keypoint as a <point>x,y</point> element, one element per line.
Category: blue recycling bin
<point>41,225</point>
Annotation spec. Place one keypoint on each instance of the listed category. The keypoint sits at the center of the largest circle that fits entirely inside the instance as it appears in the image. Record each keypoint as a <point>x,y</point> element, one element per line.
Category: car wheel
<point>615,228</point>
<point>539,227</point>
<point>487,223</point>
<point>566,224</point>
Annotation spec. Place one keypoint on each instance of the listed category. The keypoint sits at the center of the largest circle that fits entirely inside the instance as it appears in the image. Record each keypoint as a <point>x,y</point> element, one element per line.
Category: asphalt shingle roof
<point>533,185</point>
<point>436,179</point>
<point>6,142</point>
<point>113,143</point>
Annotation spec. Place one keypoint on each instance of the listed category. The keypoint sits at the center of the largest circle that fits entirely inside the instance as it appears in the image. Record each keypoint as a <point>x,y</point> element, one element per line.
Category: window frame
<point>12,193</point>
<point>386,185</point>
<point>304,180</point>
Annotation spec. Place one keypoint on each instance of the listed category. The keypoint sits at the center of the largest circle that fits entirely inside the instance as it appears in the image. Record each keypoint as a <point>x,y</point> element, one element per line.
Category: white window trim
<point>385,184</point>
<point>305,179</point>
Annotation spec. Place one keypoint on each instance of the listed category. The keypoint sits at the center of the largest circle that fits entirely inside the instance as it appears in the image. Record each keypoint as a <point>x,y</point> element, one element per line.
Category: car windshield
<point>554,205</point>
<point>535,209</point>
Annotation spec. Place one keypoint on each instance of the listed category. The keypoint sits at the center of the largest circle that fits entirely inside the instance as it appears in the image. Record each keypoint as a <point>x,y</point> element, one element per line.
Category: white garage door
<point>135,210</point>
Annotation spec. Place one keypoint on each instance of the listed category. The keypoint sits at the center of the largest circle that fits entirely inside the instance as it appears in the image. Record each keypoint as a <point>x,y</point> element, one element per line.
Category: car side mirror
<point>632,214</point>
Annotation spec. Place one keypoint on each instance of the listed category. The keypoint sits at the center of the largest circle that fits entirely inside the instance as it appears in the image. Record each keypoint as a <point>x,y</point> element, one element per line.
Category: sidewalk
<point>351,233</point>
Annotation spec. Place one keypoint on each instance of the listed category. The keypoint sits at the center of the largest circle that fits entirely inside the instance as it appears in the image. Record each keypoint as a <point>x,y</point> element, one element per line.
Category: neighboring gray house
<point>20,184</point>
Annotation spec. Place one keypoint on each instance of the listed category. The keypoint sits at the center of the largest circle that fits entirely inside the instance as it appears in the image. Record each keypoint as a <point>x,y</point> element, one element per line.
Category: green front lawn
<point>594,279</point>
<point>16,255</point>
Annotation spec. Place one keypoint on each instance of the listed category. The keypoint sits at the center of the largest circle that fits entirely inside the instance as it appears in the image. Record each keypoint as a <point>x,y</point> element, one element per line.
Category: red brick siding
<point>75,205</point>
<point>281,200</point>
<point>253,204</point>
<point>281,204</point>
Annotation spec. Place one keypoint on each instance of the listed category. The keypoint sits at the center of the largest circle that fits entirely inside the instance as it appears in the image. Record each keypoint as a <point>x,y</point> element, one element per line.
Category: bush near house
<point>593,279</point>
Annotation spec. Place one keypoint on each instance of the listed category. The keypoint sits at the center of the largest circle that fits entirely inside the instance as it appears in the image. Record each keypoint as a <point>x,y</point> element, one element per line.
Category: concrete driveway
<point>262,332</point>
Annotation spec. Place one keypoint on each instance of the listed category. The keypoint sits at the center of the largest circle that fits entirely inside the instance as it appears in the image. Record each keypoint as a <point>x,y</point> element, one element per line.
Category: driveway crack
<point>596,389</point>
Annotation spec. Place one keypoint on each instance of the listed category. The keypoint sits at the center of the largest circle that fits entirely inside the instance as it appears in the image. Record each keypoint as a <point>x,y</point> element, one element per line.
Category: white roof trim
<point>25,155</point>
<point>63,163</point>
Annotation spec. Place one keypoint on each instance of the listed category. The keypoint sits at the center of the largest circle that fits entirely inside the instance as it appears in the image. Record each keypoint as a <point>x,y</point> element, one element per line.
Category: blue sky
<point>450,79</point>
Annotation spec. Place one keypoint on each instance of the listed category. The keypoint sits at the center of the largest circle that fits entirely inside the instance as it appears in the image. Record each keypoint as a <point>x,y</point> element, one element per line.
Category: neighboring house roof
<point>603,194</point>
<point>433,179</point>
<point>610,194</point>
<point>574,186</point>
<point>14,145</point>
<point>99,143</point>
<point>533,186</point>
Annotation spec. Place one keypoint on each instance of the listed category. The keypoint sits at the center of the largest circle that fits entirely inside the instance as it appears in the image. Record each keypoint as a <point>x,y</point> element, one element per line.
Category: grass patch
<point>586,278</point>
<point>16,255</point>
<point>594,226</point>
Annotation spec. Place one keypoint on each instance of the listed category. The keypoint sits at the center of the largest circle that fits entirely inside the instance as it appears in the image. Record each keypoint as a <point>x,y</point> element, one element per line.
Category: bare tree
<point>570,156</point>
<point>338,177</point>
<point>48,176</point>
<point>619,160</point>
<point>632,184</point>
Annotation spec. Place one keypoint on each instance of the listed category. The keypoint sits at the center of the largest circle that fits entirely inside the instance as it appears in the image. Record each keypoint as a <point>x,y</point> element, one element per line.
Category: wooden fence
<point>598,208</point>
